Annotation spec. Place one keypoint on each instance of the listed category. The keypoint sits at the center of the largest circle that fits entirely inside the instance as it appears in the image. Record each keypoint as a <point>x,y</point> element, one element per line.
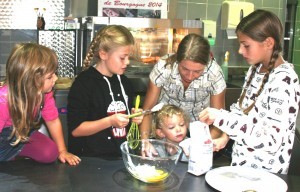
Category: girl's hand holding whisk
<point>138,120</point>
<point>119,120</point>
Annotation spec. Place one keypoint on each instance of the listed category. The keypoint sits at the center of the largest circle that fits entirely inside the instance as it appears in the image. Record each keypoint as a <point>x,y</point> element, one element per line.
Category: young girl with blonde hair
<point>101,96</point>
<point>25,97</point>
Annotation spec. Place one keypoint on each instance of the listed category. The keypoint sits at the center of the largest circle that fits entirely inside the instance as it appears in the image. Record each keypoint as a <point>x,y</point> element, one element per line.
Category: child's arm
<point>151,99</point>
<point>56,132</point>
<point>88,128</point>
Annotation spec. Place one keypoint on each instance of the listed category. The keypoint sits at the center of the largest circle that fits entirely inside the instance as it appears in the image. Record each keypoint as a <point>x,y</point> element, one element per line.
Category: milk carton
<point>201,149</point>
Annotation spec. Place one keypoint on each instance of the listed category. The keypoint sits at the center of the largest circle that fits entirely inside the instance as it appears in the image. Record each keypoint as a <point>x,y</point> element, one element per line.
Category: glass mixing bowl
<point>152,168</point>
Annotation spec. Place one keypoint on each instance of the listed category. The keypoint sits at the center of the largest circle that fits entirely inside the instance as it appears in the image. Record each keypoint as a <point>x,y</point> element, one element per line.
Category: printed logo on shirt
<point>117,107</point>
<point>276,100</point>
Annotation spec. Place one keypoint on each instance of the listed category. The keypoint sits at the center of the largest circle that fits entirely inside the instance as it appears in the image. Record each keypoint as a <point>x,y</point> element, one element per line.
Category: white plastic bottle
<point>224,66</point>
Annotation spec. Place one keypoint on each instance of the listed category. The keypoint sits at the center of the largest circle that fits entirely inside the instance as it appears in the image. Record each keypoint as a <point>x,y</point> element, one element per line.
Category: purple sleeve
<point>49,111</point>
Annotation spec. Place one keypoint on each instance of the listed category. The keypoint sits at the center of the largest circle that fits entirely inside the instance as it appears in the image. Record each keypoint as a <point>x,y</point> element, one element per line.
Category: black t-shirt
<point>89,99</point>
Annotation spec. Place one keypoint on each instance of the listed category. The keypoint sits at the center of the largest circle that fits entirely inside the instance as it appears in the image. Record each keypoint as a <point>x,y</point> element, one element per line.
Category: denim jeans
<point>7,151</point>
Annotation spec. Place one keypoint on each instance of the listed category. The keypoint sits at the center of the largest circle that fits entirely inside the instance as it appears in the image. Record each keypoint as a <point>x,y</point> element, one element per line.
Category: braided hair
<point>108,38</point>
<point>259,25</point>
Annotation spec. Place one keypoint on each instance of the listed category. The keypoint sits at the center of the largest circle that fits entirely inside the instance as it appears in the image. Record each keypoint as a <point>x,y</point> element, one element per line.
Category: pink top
<point>49,111</point>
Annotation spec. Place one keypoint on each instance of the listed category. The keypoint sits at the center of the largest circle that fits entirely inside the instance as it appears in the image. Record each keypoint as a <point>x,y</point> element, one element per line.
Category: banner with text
<point>133,8</point>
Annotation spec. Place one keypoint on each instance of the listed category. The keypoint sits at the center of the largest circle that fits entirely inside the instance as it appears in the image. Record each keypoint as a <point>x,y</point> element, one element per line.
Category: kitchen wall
<point>185,9</point>
<point>296,49</point>
<point>211,10</point>
<point>9,37</point>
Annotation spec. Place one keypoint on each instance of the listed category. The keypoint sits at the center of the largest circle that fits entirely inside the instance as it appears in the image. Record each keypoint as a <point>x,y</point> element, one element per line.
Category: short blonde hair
<point>168,111</point>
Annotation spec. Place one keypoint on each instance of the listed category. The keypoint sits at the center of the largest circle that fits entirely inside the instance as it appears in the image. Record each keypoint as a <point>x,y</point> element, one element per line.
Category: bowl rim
<point>153,157</point>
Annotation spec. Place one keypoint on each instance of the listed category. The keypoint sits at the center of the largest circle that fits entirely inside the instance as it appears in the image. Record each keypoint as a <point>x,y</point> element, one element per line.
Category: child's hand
<point>138,120</point>
<point>185,145</point>
<point>65,156</point>
<point>220,142</point>
<point>147,149</point>
<point>119,120</point>
<point>208,115</point>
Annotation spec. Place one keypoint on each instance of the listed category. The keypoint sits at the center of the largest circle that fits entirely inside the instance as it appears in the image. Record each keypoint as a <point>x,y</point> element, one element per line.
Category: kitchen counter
<point>94,174</point>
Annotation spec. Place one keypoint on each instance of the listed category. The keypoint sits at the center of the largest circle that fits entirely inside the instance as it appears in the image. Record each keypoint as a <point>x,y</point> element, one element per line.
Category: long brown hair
<point>259,25</point>
<point>108,38</point>
<point>26,68</point>
<point>192,47</point>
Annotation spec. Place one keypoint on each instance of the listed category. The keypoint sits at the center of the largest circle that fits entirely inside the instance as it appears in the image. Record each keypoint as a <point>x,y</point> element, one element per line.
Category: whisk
<point>148,111</point>
<point>134,133</point>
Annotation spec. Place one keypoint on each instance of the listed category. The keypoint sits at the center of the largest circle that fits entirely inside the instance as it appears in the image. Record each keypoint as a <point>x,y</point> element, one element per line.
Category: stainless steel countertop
<point>94,174</point>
